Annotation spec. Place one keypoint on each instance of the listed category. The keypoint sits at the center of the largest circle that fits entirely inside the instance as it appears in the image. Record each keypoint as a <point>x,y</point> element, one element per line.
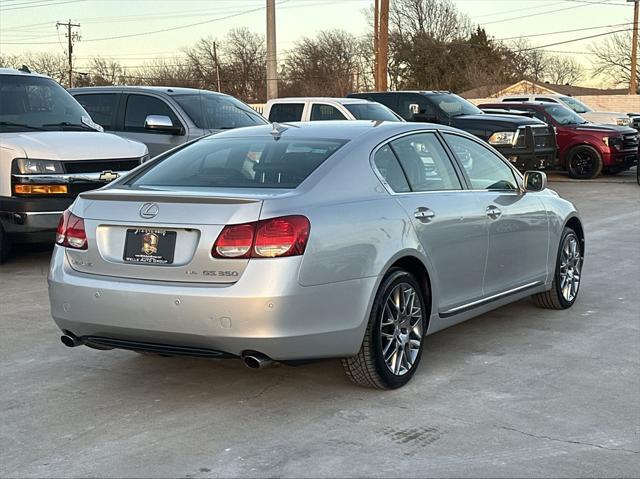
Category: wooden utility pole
<point>383,44</point>
<point>376,31</point>
<point>272,59</point>
<point>633,81</point>
<point>71,38</point>
<point>215,54</point>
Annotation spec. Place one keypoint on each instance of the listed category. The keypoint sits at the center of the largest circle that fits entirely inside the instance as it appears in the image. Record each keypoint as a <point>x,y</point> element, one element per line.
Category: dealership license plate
<point>143,245</point>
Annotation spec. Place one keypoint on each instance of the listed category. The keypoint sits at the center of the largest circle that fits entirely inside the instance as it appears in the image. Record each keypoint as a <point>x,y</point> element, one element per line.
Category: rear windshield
<point>371,111</point>
<point>218,112</point>
<point>240,163</point>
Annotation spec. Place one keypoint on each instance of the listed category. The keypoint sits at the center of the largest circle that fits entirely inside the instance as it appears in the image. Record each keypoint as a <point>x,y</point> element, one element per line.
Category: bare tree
<point>51,64</point>
<point>204,60</point>
<point>245,66</point>
<point>530,63</point>
<point>326,65</point>
<point>439,20</point>
<point>612,58</point>
<point>564,70</point>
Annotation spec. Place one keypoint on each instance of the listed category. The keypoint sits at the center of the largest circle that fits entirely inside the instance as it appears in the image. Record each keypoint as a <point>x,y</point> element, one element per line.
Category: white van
<point>50,151</point>
<point>589,114</point>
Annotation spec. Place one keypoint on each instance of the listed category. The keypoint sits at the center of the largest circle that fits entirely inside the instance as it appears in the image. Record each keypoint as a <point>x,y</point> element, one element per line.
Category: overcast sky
<point>169,25</point>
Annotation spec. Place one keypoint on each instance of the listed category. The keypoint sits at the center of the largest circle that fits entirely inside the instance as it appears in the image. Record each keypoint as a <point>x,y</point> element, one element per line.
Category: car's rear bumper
<point>32,219</point>
<point>261,312</point>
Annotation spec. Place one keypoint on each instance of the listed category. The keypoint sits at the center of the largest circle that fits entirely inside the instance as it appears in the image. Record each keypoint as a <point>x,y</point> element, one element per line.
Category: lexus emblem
<point>149,210</point>
<point>108,176</point>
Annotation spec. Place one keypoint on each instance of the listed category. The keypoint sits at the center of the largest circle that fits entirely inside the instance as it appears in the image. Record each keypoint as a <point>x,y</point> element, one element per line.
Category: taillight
<point>271,238</point>
<point>71,232</point>
<point>235,241</point>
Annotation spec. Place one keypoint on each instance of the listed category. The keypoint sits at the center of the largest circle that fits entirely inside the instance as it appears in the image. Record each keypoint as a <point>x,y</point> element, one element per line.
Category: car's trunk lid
<point>160,235</point>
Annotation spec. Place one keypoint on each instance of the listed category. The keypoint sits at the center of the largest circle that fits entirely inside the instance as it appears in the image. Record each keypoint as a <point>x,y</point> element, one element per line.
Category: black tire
<point>584,162</point>
<point>554,298</point>
<point>368,368</point>
<point>5,245</point>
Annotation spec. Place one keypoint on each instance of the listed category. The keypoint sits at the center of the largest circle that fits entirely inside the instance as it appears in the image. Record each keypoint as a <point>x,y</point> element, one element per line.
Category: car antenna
<point>279,129</point>
<point>24,69</point>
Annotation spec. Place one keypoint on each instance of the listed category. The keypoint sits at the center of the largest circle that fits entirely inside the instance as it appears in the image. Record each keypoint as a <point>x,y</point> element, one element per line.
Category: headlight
<point>502,138</point>
<point>613,141</point>
<point>623,121</point>
<point>28,166</point>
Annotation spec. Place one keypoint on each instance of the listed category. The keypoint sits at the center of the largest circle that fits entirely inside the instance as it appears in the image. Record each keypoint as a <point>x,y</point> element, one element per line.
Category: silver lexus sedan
<point>293,242</point>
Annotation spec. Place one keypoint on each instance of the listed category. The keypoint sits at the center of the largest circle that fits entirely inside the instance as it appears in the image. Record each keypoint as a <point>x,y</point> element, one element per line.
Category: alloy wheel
<point>401,329</point>
<point>583,163</point>
<point>570,268</point>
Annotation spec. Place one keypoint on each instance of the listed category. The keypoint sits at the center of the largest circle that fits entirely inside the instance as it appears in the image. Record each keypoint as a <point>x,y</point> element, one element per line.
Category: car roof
<point>168,90</point>
<point>420,92</point>
<point>507,104</point>
<point>334,129</point>
<point>342,101</point>
<point>14,71</point>
<point>528,95</point>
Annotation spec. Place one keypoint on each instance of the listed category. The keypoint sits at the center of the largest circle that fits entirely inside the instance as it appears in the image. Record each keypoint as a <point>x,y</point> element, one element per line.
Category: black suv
<point>528,143</point>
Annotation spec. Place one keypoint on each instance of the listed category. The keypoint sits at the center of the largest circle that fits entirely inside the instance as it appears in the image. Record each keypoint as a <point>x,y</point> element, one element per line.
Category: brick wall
<point>620,103</point>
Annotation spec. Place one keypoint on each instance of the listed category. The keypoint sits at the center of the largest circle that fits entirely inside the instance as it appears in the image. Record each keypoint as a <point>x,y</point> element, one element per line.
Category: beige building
<point>603,99</point>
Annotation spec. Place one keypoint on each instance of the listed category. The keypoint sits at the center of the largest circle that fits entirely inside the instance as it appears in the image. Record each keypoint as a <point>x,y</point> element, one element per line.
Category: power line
<point>574,40</point>
<point>45,3</point>
<point>573,7</point>
<point>564,31</point>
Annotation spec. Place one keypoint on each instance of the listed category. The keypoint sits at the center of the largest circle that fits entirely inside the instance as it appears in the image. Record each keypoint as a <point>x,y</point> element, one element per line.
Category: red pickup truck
<point>584,149</point>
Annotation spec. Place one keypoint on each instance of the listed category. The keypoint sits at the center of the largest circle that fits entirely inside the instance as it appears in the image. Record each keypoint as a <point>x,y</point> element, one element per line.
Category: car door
<point>518,231</point>
<point>286,112</point>
<point>448,220</point>
<point>101,106</point>
<point>137,108</point>
<point>325,112</point>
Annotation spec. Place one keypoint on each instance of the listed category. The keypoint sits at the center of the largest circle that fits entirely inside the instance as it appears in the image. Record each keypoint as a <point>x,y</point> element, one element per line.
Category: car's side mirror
<point>535,181</point>
<point>161,123</point>
<point>414,108</point>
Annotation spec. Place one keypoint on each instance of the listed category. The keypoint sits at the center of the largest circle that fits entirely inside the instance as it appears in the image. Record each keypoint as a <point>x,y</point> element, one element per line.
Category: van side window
<point>320,112</point>
<point>141,106</point>
<point>283,112</point>
<point>545,99</point>
<point>101,107</point>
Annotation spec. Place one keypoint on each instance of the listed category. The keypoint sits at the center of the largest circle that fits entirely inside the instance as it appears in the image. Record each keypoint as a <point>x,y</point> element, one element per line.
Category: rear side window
<point>240,163</point>
<point>101,107</point>
<point>321,112</point>
<point>388,166</point>
<point>545,99</point>
<point>515,99</point>
<point>139,107</point>
<point>284,112</point>
<point>425,163</point>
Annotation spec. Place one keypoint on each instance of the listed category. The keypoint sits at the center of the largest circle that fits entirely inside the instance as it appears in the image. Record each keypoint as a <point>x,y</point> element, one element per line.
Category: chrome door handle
<point>423,214</point>
<point>493,212</point>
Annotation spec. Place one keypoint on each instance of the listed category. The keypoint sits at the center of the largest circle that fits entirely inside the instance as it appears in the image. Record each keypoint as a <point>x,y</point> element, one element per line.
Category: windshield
<point>371,111</point>
<point>575,105</point>
<point>258,162</point>
<point>218,112</point>
<point>563,115</point>
<point>453,105</point>
<point>30,103</point>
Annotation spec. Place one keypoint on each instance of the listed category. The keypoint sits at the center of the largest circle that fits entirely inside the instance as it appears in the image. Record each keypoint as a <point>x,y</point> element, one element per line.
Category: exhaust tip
<point>70,341</point>
<point>255,360</point>
<point>252,362</point>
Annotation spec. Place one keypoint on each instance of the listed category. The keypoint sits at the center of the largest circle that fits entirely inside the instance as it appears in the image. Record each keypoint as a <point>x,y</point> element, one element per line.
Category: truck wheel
<point>4,245</point>
<point>394,338</point>
<point>584,162</point>
<point>567,275</point>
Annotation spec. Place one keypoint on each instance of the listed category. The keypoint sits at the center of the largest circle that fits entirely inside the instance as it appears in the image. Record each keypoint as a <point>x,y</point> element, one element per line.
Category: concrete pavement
<point>520,391</point>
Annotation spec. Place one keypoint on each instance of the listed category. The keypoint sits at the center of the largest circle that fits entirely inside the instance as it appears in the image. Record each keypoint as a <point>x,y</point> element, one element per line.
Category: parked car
<point>324,108</point>
<point>584,149</point>
<point>589,114</point>
<point>526,142</point>
<point>260,244</point>
<point>162,117</point>
<point>50,150</point>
